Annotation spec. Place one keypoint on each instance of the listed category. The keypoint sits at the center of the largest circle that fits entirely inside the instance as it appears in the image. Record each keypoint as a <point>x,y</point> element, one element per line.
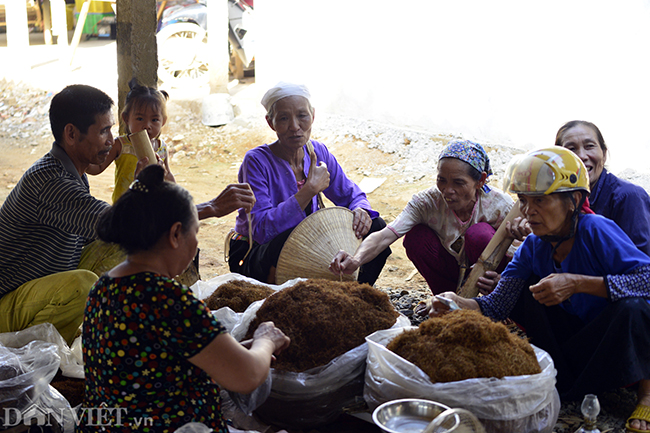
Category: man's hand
<point>235,196</point>
<point>362,222</point>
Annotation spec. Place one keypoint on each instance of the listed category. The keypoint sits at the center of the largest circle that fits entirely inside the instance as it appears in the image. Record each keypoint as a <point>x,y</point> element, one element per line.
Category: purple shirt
<point>274,184</point>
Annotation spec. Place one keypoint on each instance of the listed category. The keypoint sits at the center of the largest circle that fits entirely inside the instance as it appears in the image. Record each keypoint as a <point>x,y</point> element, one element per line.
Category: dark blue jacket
<point>627,204</point>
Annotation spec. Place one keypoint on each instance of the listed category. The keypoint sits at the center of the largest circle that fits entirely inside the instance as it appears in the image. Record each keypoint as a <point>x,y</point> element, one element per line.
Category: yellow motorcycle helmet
<point>546,171</point>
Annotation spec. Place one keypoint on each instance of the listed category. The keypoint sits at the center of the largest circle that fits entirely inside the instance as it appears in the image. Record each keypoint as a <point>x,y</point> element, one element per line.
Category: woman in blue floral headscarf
<point>446,227</point>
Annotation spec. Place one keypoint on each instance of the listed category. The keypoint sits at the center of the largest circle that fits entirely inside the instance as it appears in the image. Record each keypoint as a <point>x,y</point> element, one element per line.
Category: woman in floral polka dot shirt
<point>153,353</point>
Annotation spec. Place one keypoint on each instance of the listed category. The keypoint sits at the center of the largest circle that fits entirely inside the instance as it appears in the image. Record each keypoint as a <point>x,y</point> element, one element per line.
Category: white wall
<point>498,71</point>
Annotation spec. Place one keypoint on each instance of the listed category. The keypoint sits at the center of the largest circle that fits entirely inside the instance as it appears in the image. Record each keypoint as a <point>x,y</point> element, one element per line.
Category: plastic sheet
<point>515,404</point>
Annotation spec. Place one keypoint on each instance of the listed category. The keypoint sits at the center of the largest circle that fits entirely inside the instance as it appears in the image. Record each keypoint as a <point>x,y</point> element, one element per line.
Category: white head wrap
<point>282,90</point>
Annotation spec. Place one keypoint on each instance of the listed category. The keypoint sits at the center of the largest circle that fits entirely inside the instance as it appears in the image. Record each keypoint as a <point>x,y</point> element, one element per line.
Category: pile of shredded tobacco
<point>324,319</point>
<point>464,344</point>
<point>238,295</point>
<point>72,389</point>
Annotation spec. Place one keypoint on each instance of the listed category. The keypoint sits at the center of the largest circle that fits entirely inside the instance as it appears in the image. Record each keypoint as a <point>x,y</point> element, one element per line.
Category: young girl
<point>145,108</point>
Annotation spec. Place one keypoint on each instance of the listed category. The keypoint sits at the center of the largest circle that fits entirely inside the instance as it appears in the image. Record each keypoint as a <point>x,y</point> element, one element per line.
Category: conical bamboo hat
<point>314,242</point>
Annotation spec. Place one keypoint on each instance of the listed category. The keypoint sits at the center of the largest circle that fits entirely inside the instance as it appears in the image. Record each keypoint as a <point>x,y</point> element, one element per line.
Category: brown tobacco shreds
<point>238,295</point>
<point>71,389</point>
<point>464,344</point>
<point>324,319</point>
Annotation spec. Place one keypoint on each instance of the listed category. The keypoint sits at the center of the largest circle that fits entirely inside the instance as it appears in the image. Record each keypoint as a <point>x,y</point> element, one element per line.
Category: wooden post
<point>137,54</point>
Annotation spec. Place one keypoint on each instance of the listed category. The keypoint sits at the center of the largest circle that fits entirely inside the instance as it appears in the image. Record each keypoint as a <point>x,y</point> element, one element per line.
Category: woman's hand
<point>433,307</point>
<point>318,178</point>
<point>488,282</point>
<point>555,288</point>
<point>343,263</point>
<point>518,228</point>
<point>267,330</point>
<point>361,223</point>
<point>371,246</point>
<point>241,367</point>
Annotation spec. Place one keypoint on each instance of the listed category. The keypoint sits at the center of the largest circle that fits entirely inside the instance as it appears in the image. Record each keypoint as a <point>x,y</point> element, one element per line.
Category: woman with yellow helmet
<point>577,285</point>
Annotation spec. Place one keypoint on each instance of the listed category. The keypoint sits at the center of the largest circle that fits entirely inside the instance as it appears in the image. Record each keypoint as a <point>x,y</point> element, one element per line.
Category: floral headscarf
<point>471,153</point>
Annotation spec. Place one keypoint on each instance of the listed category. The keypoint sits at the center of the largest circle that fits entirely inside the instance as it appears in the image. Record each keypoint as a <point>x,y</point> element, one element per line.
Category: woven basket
<point>314,242</point>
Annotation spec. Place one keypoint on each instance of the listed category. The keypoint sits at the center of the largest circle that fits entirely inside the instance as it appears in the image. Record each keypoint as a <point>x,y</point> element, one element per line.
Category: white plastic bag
<point>317,396</point>
<point>71,360</point>
<point>309,398</point>
<point>26,372</point>
<point>205,289</point>
<point>515,404</point>
<point>194,427</point>
<point>226,316</point>
<point>25,391</point>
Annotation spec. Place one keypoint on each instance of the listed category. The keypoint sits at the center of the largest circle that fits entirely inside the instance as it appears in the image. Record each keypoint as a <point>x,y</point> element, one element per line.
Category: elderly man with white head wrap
<point>287,177</point>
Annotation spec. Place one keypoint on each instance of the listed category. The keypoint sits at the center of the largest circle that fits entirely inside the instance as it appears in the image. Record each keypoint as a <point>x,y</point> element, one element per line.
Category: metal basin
<point>410,415</point>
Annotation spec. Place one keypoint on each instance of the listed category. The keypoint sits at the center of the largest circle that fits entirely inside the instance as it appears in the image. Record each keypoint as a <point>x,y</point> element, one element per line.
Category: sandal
<point>641,412</point>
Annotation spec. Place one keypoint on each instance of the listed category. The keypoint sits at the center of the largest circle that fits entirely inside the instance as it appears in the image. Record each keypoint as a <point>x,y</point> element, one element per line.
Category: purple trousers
<point>433,261</point>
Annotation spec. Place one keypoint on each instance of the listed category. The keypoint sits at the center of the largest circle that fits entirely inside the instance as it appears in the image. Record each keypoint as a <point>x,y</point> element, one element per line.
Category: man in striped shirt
<point>50,216</point>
